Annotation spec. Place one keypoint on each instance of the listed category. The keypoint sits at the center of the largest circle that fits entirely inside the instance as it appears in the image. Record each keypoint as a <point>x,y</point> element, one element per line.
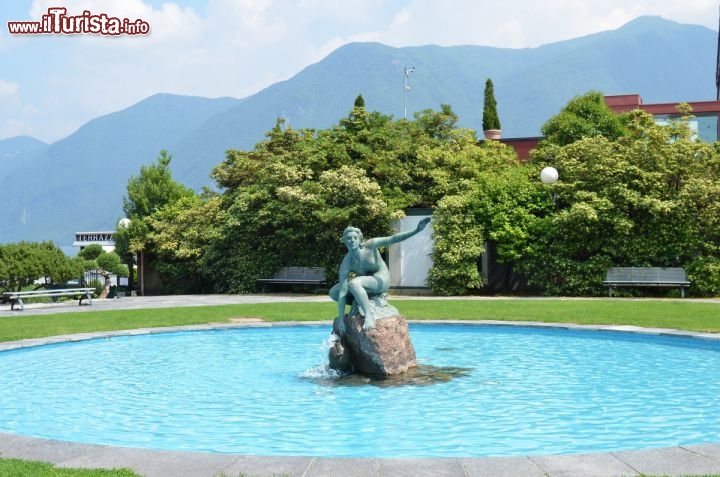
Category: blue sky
<point>50,85</point>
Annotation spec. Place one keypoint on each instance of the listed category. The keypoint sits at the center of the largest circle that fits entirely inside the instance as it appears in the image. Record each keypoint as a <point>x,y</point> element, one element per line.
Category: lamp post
<point>549,176</point>
<point>408,70</point>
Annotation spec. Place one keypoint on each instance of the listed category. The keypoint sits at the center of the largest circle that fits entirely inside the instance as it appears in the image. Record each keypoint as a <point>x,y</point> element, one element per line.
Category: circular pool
<point>479,391</point>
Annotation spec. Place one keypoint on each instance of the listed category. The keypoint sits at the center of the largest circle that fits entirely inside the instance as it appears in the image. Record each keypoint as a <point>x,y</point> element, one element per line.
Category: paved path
<point>133,303</point>
<point>675,461</point>
<point>138,302</point>
<point>692,460</point>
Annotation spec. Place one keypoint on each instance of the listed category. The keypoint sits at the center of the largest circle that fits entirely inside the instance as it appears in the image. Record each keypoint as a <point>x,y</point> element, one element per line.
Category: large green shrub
<point>499,205</point>
<point>646,198</point>
<point>704,276</point>
<point>459,242</point>
<point>584,116</point>
<point>23,263</point>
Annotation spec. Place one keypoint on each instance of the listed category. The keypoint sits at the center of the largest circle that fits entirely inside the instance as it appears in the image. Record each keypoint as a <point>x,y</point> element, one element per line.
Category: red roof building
<point>706,122</point>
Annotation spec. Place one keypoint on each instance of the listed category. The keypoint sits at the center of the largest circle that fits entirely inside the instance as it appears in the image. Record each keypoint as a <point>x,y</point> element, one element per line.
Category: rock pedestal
<point>382,351</point>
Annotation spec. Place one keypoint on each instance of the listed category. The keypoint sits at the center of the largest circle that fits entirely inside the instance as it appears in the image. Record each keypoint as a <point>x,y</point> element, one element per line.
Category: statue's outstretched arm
<point>398,237</point>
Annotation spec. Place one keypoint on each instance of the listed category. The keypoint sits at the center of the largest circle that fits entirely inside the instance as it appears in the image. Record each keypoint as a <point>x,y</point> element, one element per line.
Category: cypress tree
<point>490,116</point>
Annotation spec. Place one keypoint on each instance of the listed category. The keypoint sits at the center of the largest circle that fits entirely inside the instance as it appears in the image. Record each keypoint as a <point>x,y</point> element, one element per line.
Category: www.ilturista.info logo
<point>58,22</point>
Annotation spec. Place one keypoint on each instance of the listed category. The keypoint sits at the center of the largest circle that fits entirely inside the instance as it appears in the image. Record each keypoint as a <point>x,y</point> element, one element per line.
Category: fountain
<point>373,338</point>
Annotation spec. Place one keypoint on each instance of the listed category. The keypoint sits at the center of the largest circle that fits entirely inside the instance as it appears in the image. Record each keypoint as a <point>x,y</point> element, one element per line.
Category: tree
<point>106,263</point>
<point>490,119</point>
<point>4,273</point>
<point>152,189</point>
<point>634,193</point>
<point>181,233</point>
<point>584,116</point>
<point>287,217</point>
<point>500,206</point>
<point>147,193</point>
<point>646,198</point>
<point>359,102</point>
<point>57,267</point>
<point>298,189</point>
<point>286,201</point>
<point>22,264</point>
<point>437,125</point>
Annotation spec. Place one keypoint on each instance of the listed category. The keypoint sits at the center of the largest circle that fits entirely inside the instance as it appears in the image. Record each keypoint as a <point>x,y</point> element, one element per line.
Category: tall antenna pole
<point>406,89</point>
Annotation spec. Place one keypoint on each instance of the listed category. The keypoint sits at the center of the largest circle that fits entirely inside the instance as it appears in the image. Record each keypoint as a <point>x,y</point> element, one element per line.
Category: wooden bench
<point>647,277</point>
<point>296,276</point>
<point>16,298</point>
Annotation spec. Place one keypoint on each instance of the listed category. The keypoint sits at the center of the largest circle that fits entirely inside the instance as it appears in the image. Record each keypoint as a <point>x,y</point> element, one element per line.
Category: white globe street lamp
<point>549,175</point>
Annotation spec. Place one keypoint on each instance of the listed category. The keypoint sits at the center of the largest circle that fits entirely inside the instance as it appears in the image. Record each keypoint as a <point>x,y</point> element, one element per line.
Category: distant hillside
<point>77,183</point>
<point>18,147</point>
<point>49,192</point>
<point>19,151</point>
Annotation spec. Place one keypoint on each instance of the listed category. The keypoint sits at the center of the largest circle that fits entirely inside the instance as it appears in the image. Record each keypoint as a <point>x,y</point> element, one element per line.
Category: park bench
<point>16,298</point>
<point>670,277</point>
<point>296,276</point>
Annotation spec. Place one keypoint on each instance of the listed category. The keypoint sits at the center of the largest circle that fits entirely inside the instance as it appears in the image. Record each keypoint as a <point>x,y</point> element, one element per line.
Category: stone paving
<point>674,461</point>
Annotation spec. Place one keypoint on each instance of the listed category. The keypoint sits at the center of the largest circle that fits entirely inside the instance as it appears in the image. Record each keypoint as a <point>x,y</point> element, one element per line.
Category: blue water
<point>265,391</point>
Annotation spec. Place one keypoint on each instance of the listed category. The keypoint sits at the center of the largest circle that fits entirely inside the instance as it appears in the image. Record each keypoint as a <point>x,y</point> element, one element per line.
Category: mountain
<point>20,146</point>
<point>18,151</point>
<point>77,183</point>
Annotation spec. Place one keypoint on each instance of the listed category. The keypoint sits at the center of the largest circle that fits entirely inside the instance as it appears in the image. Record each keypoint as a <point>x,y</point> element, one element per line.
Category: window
<point>704,126</point>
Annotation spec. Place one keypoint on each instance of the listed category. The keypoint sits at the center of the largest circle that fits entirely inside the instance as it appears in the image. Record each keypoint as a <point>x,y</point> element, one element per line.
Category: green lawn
<point>685,315</point>
<point>25,468</point>
<point>679,314</point>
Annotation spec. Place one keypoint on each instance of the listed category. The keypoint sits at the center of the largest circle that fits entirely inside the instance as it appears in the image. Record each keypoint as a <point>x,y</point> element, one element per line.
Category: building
<point>706,122</point>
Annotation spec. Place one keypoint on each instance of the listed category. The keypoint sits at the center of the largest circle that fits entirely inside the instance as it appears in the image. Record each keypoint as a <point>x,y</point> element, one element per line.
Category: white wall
<point>409,260</point>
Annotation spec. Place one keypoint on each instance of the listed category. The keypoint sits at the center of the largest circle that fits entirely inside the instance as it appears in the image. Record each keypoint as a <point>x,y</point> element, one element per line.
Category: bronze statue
<point>363,272</point>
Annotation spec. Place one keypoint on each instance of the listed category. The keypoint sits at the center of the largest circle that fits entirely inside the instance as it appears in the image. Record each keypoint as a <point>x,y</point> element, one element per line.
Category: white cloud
<point>13,128</point>
<point>246,23</point>
<point>403,17</point>
<point>529,23</point>
<point>7,88</point>
<point>16,119</point>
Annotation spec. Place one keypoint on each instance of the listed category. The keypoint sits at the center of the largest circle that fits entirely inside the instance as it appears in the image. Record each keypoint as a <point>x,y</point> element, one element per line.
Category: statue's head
<point>352,231</point>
